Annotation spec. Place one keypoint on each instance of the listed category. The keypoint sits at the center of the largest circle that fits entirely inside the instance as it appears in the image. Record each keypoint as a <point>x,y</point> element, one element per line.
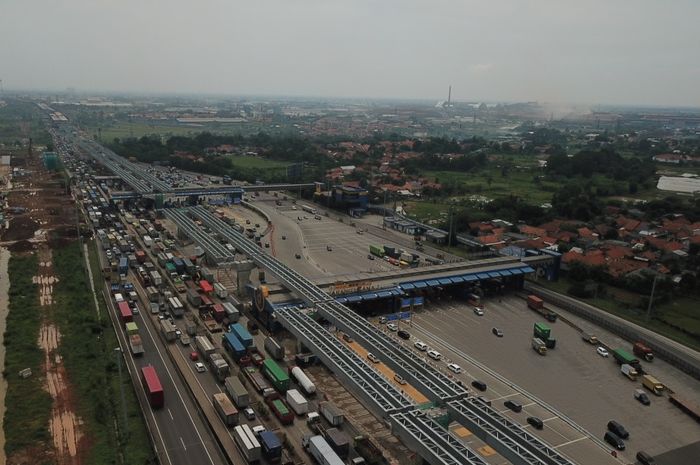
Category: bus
<point>308,209</point>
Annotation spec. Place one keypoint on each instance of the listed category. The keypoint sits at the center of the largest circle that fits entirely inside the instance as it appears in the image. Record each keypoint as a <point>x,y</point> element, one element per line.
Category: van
<point>618,429</point>
<point>372,358</point>
<point>422,346</point>
<point>434,354</point>
<point>480,385</point>
<point>614,440</point>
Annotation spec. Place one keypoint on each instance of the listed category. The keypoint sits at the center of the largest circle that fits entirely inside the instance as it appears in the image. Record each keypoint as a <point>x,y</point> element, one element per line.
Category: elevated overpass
<point>434,444</point>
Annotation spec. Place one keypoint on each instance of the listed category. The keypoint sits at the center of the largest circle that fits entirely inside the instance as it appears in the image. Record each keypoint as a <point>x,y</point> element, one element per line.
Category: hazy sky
<point>587,51</point>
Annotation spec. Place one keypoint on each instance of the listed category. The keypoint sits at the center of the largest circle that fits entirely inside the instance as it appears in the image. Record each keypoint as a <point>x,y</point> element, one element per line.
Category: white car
<point>479,311</point>
<point>434,354</point>
<point>200,367</point>
<point>602,351</point>
<point>454,368</point>
<point>420,345</point>
<point>392,327</point>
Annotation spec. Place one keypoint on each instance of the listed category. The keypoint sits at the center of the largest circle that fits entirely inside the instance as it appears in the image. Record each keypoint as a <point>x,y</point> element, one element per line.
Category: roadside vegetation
<point>20,120</point>
<point>28,404</point>
<point>87,347</point>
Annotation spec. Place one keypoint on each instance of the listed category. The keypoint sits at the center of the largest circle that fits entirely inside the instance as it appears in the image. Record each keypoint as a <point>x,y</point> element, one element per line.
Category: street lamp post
<point>117,353</point>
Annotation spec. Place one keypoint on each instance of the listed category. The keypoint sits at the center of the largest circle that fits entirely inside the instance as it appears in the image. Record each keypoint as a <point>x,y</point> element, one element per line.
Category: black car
<point>535,422</point>
<point>404,334</point>
<point>514,406</point>
<point>614,440</point>
<point>645,459</point>
<point>298,256</point>
<point>618,429</point>
<point>480,385</point>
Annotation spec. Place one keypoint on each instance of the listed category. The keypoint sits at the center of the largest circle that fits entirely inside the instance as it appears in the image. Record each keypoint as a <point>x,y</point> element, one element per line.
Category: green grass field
<point>124,130</point>
<point>28,403</point>
<point>251,162</point>
<point>87,347</point>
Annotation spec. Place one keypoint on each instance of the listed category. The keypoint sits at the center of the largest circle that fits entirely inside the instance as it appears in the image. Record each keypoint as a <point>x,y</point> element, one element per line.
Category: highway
<point>181,436</point>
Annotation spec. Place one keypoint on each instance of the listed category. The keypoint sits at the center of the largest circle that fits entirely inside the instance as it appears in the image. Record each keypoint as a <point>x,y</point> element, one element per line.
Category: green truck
<point>543,332</point>
<point>624,357</point>
<point>276,375</point>
<point>377,250</point>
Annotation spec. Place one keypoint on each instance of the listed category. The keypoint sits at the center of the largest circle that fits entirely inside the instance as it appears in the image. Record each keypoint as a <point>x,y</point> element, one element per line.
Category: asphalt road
<point>573,378</point>
<point>181,436</point>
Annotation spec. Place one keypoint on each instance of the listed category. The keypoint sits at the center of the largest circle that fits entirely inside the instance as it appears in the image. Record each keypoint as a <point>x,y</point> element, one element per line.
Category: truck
<point>232,312</point>
<point>271,445</point>
<point>589,338</point>
<point>242,334</point>
<point>539,346</point>
<point>257,380</point>
<point>247,443</point>
<point>279,379</point>
<point>220,290</point>
<point>136,345</point>
<point>629,371</point>
<point>225,409</point>
<point>168,329</point>
<point>297,402</point>
<point>140,256</point>
<point>176,307</point>
<point>321,451</point>
<point>123,266</point>
<point>204,346</point>
<point>147,241</point>
<point>218,312</point>
<point>193,297</point>
<point>306,385</point>
<point>537,304</point>
<point>377,250</point>
<point>237,392</point>
<point>339,441</point>
<point>641,350</point>
<point>153,294</point>
<point>156,278</point>
<point>152,387</point>
<point>273,348</point>
<point>542,331</point>
<point>653,384</point>
<point>233,346</point>
<point>219,366</point>
<point>331,413</point>
<point>280,410</point>
<point>131,328</point>
<point>125,314</point>
<point>622,356</point>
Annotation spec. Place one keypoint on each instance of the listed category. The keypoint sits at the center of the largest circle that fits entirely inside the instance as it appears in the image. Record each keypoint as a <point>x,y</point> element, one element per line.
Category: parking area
<point>572,378</point>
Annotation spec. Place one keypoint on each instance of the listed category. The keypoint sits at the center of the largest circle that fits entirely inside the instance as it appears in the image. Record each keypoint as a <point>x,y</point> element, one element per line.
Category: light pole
<point>117,353</point>
<point>651,298</point>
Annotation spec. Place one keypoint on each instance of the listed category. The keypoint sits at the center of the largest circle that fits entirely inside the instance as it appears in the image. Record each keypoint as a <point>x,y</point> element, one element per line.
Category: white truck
<point>629,371</point>
<point>297,402</point>
<point>320,450</point>
<point>247,443</point>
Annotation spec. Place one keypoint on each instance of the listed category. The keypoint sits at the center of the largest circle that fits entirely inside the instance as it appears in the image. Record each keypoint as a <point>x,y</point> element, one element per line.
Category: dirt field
<point>41,218</point>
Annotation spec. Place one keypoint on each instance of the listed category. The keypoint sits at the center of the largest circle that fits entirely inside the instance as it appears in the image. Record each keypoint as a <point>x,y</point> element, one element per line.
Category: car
<point>194,356</point>
<point>200,367</point>
<point>372,358</point>
<point>178,333</point>
<point>535,422</point>
<point>370,257</point>
<point>434,354</point>
<point>382,320</point>
<point>399,379</point>
<point>347,338</point>
<point>392,327</point>
<point>614,440</point>
<point>517,407</point>
<point>284,238</point>
<point>420,345</point>
<point>404,334</point>
<point>497,332</point>
<point>480,385</point>
<point>454,368</point>
<point>478,311</point>
<point>645,459</point>
<point>642,397</point>
<point>161,317</point>
<point>618,429</point>
<point>249,413</point>
<point>329,248</point>
<point>602,351</point>
<point>267,245</point>
<point>298,256</point>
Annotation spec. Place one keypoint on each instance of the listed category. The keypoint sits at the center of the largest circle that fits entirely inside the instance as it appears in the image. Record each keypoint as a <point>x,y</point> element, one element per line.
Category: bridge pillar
<point>243,269</point>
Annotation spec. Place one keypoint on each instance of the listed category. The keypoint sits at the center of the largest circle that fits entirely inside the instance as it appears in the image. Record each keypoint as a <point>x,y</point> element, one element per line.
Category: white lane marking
<point>171,414</point>
<point>156,343</point>
<point>570,442</point>
<point>183,443</point>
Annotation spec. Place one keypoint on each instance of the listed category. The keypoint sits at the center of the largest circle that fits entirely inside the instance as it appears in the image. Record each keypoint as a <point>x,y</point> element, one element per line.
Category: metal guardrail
<point>428,380</point>
<point>682,358</point>
<point>212,247</point>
